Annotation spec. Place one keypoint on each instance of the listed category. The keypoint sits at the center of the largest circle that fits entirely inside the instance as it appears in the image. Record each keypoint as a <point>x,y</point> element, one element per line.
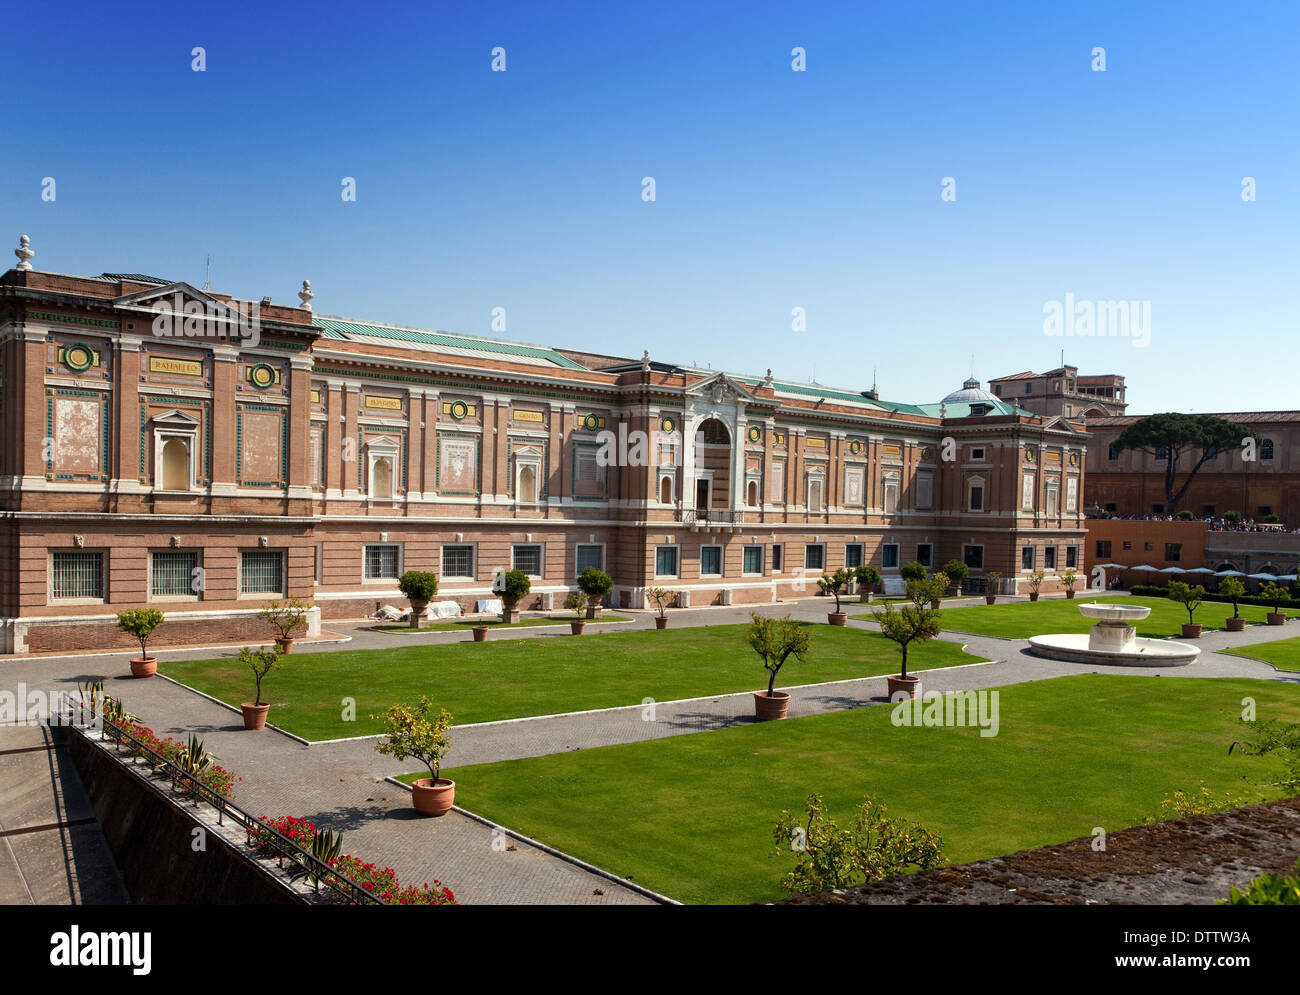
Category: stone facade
<point>205,472</point>
<point>1063,393</point>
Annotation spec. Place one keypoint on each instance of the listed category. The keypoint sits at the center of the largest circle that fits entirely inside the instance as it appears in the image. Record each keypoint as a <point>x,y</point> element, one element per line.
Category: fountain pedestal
<point>1112,637</point>
<point>1113,641</point>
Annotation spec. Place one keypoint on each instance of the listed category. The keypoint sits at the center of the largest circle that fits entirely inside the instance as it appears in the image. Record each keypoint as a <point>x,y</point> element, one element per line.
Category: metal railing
<point>713,516</point>
<point>306,862</point>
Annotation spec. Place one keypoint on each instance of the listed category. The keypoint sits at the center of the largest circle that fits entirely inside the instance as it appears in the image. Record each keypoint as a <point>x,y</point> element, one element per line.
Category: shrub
<point>595,584</point>
<point>1271,518</point>
<point>1274,594</point>
<point>1234,517</point>
<point>1069,579</point>
<point>1232,589</point>
<point>1182,804</point>
<point>833,584</point>
<point>1185,516</point>
<point>908,623</point>
<point>1187,596</point>
<point>141,623</point>
<point>576,603</point>
<point>957,571</point>
<point>410,733</point>
<point>1154,591</point>
<point>912,571</point>
<point>284,618</point>
<point>1268,889</point>
<point>876,847</point>
<point>867,576</point>
<point>512,585</point>
<point>418,585</point>
<point>660,596</point>
<point>1036,580</point>
<point>775,640</point>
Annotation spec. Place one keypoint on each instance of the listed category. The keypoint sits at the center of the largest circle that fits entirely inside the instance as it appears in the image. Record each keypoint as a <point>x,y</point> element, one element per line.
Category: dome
<point>970,393</point>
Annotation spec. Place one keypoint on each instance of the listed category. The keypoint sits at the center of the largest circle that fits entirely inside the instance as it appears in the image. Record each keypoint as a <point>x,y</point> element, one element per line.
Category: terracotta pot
<point>576,626</point>
<point>768,709</point>
<point>285,645</point>
<point>480,633</point>
<point>431,798</point>
<point>1274,618</point>
<point>935,604</point>
<point>837,618</point>
<point>909,686</point>
<point>1033,595</point>
<point>1069,592</point>
<point>990,599</point>
<point>1191,630</point>
<point>417,613</point>
<point>661,621</point>
<point>1235,624</point>
<point>254,715</point>
<point>144,666</point>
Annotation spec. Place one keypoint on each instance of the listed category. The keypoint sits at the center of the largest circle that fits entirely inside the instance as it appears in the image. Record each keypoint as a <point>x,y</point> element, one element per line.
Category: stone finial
<point>645,361</point>
<point>767,380</point>
<point>943,411</point>
<point>24,252</point>
<point>305,295</point>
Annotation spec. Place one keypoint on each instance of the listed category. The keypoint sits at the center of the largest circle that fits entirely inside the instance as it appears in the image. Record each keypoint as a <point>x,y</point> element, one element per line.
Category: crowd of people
<point>1220,524</point>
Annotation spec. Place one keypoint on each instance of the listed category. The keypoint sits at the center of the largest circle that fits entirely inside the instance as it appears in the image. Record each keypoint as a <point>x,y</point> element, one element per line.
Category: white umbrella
<point>1173,570</point>
<point>1148,569</point>
<point>1286,576</point>
<point>1111,566</point>
<point>1262,576</point>
<point>1199,570</point>
<point>1228,573</point>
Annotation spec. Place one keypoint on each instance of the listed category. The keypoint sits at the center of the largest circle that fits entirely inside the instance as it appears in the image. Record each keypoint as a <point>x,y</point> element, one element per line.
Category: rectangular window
<point>1026,557</point>
<point>590,556</point>
<point>1266,449</point>
<point>261,571</point>
<point>889,556</point>
<point>1207,511</point>
<point>814,556</point>
<point>924,491</point>
<point>1103,549</point>
<point>458,561</point>
<point>973,557</point>
<point>1071,557</point>
<point>753,563</point>
<point>665,561</point>
<point>778,557</point>
<point>976,497</point>
<point>1049,557</point>
<point>891,493</point>
<point>1126,544</point>
<point>527,558</point>
<point>852,555</point>
<point>1112,507</point>
<point>381,562</point>
<point>925,554</point>
<point>1173,551</point>
<point>710,561</point>
<point>1112,452</point>
<point>977,453</point>
<point>1157,509</point>
<point>1147,547</point>
<point>77,575</point>
<point>1053,500</point>
<point>173,574</point>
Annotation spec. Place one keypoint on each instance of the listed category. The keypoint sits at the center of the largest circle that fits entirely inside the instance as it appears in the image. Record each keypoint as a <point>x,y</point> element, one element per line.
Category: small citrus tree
<point>409,732</point>
<point>660,596</point>
<point>908,623</point>
<point>576,603</point>
<point>1276,595</point>
<point>261,663</point>
<point>833,584</point>
<point>1187,596</point>
<point>775,640</point>
<point>286,617</point>
<point>140,623</point>
<point>1232,589</point>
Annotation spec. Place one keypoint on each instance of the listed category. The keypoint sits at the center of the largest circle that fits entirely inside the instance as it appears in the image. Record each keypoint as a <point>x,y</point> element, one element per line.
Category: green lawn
<point>454,625</point>
<point>691,816</point>
<point>510,678</point>
<point>1022,619</point>
<point>1283,654</point>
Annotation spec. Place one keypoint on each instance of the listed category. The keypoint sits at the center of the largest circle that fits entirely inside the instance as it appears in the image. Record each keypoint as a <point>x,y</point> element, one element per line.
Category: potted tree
<point>261,663</point>
<point>904,625</point>
<point>936,586</point>
<point>1232,589</point>
<point>595,584</point>
<point>1035,582</point>
<point>141,623</point>
<point>867,577</point>
<point>419,588</point>
<point>577,603</point>
<point>660,596</point>
<point>1190,598</point>
<point>832,584</point>
<point>284,619</point>
<point>409,732</point>
<point>991,580</point>
<point>912,571</point>
<point>513,585</point>
<point>1275,594</point>
<point>775,640</point>
<point>1068,580</point>
<point>956,571</point>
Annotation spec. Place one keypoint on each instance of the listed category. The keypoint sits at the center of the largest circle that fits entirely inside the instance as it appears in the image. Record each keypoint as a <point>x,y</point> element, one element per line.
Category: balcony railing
<point>713,516</point>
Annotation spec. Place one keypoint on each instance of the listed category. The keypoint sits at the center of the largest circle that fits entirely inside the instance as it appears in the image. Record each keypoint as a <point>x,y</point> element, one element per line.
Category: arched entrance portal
<point>712,467</point>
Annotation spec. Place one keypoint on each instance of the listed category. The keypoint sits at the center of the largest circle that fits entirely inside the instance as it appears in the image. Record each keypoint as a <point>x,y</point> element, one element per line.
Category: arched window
<point>176,465</point>
<point>714,433</point>
<point>666,490</point>
<point>752,499</point>
<point>1266,449</point>
<point>381,479</point>
<point>816,500</point>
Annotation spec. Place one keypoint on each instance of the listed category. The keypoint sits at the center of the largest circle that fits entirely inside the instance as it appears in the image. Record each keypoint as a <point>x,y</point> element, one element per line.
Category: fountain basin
<point>1114,613</point>
<point>1078,647</point>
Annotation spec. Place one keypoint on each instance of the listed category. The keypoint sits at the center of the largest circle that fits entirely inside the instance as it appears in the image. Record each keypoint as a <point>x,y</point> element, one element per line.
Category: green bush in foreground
<point>830,857</point>
<point>1268,889</point>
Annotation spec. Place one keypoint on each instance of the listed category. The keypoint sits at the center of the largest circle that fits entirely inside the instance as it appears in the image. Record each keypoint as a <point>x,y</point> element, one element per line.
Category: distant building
<point>1062,393</point>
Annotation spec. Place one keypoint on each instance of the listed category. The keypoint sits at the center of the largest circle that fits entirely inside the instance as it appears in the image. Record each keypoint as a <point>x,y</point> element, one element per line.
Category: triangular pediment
<point>719,388</point>
<point>377,442</point>
<point>174,418</point>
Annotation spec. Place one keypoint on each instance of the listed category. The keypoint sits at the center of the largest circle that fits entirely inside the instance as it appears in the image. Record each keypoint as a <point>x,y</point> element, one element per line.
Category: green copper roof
<point>356,331</point>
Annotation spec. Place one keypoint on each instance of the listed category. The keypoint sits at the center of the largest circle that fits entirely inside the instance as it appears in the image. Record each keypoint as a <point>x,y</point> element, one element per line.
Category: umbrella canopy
<point>1199,570</point>
<point>1262,576</point>
<point>1228,573</point>
<point>1173,570</point>
<point>1111,566</point>
<point>1147,568</point>
<point>1286,576</point>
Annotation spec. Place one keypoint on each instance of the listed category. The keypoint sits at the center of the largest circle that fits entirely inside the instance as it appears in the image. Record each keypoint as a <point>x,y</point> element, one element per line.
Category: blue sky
<point>775,189</point>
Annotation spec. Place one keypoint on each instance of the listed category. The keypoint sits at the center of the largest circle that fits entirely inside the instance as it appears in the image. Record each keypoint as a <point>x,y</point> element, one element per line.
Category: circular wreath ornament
<point>459,409</point>
<point>1029,454</point>
<point>78,357</point>
<point>926,452</point>
<point>590,422</point>
<point>668,425</point>
<point>262,376</point>
<point>856,447</point>
<point>755,433</point>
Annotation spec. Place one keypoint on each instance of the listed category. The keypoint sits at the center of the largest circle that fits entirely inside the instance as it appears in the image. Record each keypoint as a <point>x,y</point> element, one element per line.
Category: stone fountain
<point>1113,641</point>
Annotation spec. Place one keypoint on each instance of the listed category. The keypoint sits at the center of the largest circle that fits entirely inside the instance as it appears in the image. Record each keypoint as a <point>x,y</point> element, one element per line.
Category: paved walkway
<point>341,784</point>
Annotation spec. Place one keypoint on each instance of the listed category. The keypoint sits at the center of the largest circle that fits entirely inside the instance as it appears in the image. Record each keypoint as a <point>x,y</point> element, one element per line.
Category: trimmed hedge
<point>1153,591</point>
